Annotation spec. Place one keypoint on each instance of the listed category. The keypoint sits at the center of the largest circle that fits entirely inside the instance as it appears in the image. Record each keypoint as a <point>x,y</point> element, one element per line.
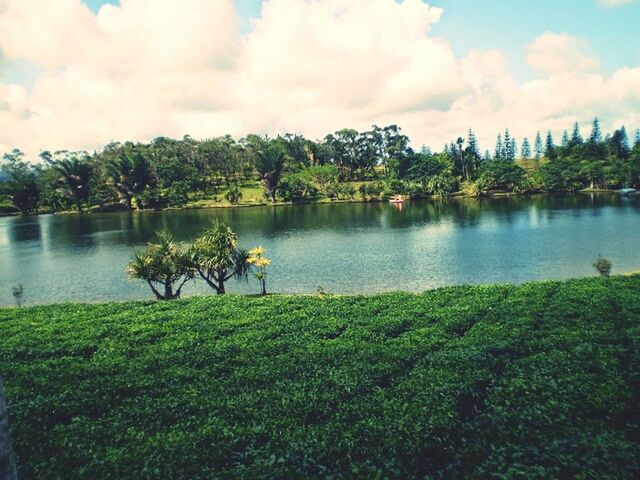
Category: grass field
<point>535,381</point>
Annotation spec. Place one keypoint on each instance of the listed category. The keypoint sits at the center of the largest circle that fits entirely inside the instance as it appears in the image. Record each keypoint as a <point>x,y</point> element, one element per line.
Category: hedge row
<point>534,381</point>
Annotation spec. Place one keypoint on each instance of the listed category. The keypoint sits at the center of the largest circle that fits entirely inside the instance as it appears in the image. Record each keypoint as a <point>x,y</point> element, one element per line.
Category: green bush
<point>534,381</point>
<point>296,188</point>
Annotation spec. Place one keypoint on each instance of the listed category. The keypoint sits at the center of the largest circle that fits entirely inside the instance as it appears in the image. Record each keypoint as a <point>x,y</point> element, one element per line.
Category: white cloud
<point>556,54</point>
<point>161,67</point>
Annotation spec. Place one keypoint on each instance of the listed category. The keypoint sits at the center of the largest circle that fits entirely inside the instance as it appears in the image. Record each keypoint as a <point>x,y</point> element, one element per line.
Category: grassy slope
<point>534,381</point>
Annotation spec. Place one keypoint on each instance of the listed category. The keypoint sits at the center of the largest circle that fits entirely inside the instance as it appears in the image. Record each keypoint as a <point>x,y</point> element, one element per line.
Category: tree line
<point>373,164</point>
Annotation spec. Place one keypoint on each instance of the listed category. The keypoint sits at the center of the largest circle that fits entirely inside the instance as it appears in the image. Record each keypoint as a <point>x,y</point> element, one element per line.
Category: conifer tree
<point>507,152</point>
<point>550,150</point>
<point>487,155</point>
<point>473,147</point>
<point>538,148</point>
<point>499,153</point>
<point>637,138</point>
<point>514,148</point>
<point>576,137</point>
<point>565,139</point>
<point>526,149</point>
<point>596,133</point>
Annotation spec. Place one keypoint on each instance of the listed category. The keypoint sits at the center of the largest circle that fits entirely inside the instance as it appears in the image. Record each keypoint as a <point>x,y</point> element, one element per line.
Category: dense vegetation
<point>347,164</point>
<point>535,381</point>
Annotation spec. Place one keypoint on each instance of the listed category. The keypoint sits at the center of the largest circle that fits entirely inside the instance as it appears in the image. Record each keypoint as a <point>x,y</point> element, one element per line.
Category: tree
<point>131,174</point>
<point>260,265</point>
<point>620,142</point>
<point>508,154</point>
<point>565,139</point>
<point>234,194</point>
<point>75,172</point>
<point>270,157</point>
<point>596,133</point>
<point>526,149</point>
<point>163,265</point>
<point>499,152</point>
<point>22,183</point>
<point>550,148</point>
<point>576,136</point>
<point>538,148</point>
<point>637,142</point>
<point>473,148</point>
<point>442,184</point>
<point>216,257</point>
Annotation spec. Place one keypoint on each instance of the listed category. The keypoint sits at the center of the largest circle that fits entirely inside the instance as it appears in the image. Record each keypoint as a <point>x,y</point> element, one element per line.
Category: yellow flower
<point>262,262</point>
<point>256,252</point>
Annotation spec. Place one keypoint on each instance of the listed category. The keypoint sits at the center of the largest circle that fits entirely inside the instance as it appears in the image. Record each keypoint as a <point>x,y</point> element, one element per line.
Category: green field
<point>535,381</point>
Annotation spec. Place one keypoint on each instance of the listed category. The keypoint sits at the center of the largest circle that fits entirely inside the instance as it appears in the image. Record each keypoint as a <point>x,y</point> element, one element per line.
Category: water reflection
<point>359,247</point>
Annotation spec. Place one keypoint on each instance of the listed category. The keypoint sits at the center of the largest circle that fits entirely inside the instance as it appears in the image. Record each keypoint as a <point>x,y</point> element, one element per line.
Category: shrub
<point>296,188</point>
<point>603,266</point>
<point>531,381</point>
<point>233,195</point>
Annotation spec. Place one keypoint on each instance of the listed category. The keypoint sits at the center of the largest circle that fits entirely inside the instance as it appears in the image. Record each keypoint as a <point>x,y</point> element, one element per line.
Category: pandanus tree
<point>75,172</point>
<point>166,266</point>
<point>216,257</point>
<point>130,173</point>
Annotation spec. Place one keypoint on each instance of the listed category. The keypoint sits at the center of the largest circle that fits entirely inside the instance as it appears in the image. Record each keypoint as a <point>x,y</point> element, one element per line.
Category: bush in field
<point>603,266</point>
<point>233,195</point>
<point>340,191</point>
<point>216,258</point>
<point>296,188</point>
<point>443,184</point>
<point>165,266</point>
<point>374,190</point>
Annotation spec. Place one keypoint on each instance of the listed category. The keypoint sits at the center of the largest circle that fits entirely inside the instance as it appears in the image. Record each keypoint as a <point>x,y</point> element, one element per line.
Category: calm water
<point>348,248</point>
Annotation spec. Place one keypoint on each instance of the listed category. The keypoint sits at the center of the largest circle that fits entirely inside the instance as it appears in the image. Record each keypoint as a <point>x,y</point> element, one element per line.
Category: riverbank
<point>253,197</point>
<point>537,380</point>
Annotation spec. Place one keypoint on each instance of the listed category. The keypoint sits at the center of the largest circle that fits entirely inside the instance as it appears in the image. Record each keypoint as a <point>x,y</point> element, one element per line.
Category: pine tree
<point>473,147</point>
<point>499,153</point>
<point>596,133</point>
<point>538,149</point>
<point>637,144</point>
<point>507,152</point>
<point>526,149</point>
<point>487,156</point>
<point>576,137</point>
<point>550,150</point>
<point>565,139</point>
<point>514,148</point>
<point>620,140</point>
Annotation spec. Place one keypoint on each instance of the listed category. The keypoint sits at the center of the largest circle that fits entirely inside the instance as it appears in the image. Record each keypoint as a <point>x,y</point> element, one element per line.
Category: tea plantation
<point>536,381</point>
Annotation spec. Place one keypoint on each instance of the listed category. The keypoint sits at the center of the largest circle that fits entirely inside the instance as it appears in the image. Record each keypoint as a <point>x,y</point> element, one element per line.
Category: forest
<point>346,165</point>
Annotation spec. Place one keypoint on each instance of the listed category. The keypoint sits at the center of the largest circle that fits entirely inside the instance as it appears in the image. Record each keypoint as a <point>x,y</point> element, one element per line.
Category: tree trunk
<point>264,286</point>
<point>168,291</point>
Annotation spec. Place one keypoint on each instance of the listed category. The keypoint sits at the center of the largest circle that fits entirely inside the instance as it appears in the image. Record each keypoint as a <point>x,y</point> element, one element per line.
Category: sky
<point>77,74</point>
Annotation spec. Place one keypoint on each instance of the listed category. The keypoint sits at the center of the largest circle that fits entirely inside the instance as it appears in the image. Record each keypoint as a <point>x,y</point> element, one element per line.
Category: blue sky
<point>613,32</point>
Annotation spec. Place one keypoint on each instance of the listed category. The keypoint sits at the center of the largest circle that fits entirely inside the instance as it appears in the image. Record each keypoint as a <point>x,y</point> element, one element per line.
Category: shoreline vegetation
<point>531,381</point>
<point>345,166</point>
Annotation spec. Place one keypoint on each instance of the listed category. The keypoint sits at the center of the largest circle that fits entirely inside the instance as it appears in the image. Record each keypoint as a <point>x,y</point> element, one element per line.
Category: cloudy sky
<point>80,73</point>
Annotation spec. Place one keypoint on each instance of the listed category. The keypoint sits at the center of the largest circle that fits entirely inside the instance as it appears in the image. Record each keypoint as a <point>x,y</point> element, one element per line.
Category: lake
<point>342,248</point>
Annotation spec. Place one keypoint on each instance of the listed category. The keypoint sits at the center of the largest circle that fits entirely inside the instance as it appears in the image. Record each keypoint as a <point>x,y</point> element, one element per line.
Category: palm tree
<point>163,265</point>
<point>76,174</point>
<point>216,257</point>
<point>270,159</point>
<point>131,173</point>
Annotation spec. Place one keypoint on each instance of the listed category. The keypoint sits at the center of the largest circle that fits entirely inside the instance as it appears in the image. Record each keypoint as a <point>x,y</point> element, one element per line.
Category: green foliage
<point>234,194</point>
<point>296,188</point>
<point>500,175</point>
<point>603,266</point>
<point>442,184</point>
<point>216,257</point>
<point>22,183</point>
<point>166,266</point>
<point>533,381</point>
